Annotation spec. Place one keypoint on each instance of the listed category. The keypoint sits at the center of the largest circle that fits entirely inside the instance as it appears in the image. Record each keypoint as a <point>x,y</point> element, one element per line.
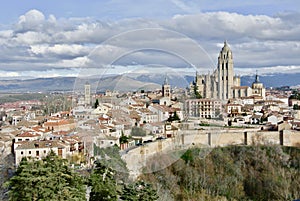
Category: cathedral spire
<point>166,82</point>
<point>226,48</point>
<point>225,43</point>
<point>256,77</point>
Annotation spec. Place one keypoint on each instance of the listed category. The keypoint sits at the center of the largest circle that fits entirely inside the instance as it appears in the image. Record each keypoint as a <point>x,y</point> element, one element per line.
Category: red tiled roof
<point>28,134</point>
<point>57,123</point>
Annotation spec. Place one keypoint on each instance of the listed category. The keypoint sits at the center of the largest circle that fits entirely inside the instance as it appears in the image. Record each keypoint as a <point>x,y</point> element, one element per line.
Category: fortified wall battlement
<point>216,138</point>
<point>169,150</point>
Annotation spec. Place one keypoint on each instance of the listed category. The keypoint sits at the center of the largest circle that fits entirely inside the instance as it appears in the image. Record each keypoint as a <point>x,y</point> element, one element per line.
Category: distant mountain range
<point>120,83</point>
<point>274,80</point>
<point>129,82</point>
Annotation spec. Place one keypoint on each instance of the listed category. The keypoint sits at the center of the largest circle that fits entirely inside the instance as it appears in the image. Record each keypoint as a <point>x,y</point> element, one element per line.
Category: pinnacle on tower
<point>256,77</point>
<point>225,47</point>
<point>166,82</point>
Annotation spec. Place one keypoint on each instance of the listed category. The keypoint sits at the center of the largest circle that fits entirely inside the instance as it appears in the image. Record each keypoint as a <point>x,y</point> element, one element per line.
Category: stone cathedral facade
<point>222,84</point>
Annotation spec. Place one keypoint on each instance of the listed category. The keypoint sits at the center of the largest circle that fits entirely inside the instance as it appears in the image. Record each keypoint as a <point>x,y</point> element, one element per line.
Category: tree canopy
<point>233,173</point>
<point>96,103</point>
<point>295,95</point>
<point>138,191</point>
<point>109,180</point>
<point>196,92</point>
<point>103,183</point>
<point>138,131</point>
<point>47,179</point>
<point>52,179</point>
<point>173,117</point>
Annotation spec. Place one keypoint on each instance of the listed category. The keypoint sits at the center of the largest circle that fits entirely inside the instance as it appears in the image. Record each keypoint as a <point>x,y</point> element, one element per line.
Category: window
<point>21,152</point>
<point>44,151</point>
<point>37,153</point>
<point>29,152</point>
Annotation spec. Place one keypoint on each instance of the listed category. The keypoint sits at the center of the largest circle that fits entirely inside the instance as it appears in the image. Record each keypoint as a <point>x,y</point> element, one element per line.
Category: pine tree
<point>103,183</point>
<point>96,103</point>
<point>47,179</point>
<point>139,191</point>
<point>196,92</point>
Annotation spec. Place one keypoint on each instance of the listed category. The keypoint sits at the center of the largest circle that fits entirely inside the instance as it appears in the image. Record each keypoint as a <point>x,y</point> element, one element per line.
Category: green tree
<point>196,92</point>
<point>173,117</point>
<point>139,191</point>
<point>137,131</point>
<point>123,139</point>
<point>113,160</point>
<point>295,95</point>
<point>103,183</point>
<point>47,179</point>
<point>96,103</point>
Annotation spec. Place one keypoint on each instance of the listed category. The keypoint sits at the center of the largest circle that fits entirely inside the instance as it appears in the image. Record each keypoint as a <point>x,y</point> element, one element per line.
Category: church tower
<point>225,73</point>
<point>166,88</point>
<point>258,88</point>
<point>87,94</point>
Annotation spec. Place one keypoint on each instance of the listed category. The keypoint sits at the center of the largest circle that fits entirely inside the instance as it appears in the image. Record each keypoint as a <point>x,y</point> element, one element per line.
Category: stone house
<point>59,124</point>
<point>38,149</point>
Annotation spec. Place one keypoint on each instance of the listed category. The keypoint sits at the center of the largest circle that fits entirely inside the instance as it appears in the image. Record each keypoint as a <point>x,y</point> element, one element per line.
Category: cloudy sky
<point>85,37</point>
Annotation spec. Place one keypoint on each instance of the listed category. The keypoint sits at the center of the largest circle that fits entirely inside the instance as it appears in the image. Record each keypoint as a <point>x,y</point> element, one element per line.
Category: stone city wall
<point>169,150</point>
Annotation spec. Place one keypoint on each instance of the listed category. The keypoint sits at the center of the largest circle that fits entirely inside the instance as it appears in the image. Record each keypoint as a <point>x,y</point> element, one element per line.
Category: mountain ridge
<point>129,82</point>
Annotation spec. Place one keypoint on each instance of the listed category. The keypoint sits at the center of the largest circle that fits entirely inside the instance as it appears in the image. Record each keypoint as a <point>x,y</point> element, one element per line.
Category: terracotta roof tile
<point>28,134</point>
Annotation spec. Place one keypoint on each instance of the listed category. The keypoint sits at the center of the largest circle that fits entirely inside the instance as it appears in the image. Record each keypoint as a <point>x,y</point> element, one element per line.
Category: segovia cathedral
<point>222,84</point>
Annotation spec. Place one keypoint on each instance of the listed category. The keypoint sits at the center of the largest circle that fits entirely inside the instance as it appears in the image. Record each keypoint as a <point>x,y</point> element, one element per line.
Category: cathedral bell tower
<point>225,73</point>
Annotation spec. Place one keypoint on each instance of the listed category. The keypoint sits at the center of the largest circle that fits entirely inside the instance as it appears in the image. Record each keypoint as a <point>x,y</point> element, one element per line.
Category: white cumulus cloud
<point>44,42</point>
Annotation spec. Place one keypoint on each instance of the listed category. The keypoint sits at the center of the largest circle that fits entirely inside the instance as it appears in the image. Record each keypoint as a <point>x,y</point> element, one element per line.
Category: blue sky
<point>119,9</point>
<point>58,38</point>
